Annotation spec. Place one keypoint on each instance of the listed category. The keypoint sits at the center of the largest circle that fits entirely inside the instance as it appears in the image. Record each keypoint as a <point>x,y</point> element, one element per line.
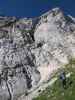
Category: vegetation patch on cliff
<point>56,91</point>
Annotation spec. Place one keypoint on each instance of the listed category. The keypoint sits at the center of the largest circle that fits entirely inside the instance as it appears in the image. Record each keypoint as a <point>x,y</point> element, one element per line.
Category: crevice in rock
<point>35,22</point>
<point>29,85</point>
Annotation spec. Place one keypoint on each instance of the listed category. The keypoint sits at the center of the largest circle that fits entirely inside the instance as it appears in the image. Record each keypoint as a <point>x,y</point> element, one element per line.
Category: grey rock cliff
<point>18,71</point>
<point>28,44</point>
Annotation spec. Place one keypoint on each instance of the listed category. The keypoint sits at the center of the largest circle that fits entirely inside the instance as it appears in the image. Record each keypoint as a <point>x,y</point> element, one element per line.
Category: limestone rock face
<point>31,49</point>
<point>55,32</point>
<point>18,71</point>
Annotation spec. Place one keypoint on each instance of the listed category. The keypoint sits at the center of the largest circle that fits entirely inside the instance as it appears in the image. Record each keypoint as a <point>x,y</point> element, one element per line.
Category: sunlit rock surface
<point>32,49</point>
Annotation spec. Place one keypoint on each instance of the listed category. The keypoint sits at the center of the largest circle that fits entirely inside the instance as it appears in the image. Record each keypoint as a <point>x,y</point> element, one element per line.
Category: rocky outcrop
<point>18,71</point>
<point>55,33</point>
<point>32,49</point>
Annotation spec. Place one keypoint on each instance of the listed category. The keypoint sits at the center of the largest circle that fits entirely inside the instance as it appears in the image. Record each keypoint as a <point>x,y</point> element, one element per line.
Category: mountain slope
<point>32,49</point>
